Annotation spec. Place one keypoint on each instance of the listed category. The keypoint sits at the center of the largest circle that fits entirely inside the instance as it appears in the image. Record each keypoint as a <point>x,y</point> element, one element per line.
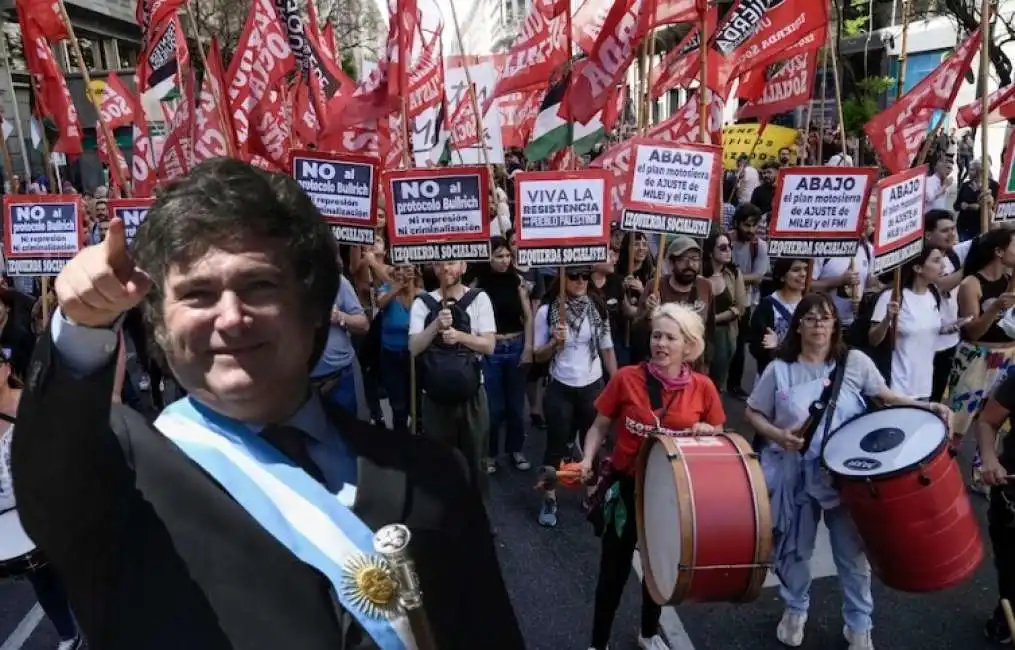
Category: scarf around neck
<point>679,382</point>
<point>578,309</point>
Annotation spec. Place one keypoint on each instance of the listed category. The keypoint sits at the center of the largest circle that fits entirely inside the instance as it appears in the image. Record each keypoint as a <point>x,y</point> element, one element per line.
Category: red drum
<point>704,521</point>
<point>899,480</point>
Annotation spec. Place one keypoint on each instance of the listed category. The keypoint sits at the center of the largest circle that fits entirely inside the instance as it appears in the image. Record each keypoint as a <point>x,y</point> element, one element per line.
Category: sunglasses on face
<point>578,276</point>
<point>723,247</point>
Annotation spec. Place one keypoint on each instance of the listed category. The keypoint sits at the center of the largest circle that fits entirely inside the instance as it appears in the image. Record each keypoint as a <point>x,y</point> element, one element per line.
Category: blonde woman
<point>691,404</point>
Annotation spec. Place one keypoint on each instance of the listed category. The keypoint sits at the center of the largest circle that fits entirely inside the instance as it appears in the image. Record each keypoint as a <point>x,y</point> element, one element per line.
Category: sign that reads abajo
<point>819,211</point>
<point>133,213</point>
<point>41,232</point>
<point>898,231</point>
<point>438,215</point>
<point>562,218</point>
<point>343,187</point>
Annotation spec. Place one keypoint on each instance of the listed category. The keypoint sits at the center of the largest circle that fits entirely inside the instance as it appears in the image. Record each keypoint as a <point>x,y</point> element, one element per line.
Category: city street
<point>551,575</point>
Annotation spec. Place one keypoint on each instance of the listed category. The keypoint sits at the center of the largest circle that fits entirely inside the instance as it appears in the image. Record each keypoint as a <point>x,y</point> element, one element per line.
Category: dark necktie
<point>292,442</point>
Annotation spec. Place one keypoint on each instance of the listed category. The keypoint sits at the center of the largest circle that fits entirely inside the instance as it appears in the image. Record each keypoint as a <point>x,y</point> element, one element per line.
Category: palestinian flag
<point>551,132</point>
<point>586,136</point>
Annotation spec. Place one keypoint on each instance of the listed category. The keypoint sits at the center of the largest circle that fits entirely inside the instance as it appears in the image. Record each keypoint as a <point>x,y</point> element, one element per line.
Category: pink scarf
<point>679,382</point>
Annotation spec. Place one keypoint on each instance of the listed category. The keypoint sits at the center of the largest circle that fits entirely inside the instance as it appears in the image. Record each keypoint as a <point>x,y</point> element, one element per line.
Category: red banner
<point>897,132</point>
<point>52,96</point>
<point>116,109</point>
<point>426,82</point>
<point>46,15</point>
<point>681,64</point>
<point>1000,107</point>
<point>789,87</point>
<point>518,113</point>
<point>538,51</point>
<point>212,128</point>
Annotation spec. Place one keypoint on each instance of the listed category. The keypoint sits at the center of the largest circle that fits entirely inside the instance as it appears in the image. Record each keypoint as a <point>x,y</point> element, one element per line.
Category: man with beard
<point>785,157</point>
<point>764,193</point>
<point>750,254</point>
<point>685,285</point>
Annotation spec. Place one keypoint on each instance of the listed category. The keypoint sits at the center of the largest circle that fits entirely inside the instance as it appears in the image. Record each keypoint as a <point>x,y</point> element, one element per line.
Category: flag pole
<point>703,104</point>
<point>219,100</point>
<point>111,146</point>
<point>900,86</point>
<point>14,102</point>
<point>985,25</point>
<point>471,90</point>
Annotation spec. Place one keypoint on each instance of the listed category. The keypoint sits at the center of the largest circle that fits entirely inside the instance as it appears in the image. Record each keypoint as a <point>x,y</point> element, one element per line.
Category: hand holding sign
<point>101,282</point>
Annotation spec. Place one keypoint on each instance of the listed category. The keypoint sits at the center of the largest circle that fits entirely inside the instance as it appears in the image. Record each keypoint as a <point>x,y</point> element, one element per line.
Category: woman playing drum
<point>690,404</point>
<point>801,376</point>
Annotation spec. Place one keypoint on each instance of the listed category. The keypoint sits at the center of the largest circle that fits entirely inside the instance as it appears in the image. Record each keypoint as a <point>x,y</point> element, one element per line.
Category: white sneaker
<point>791,629</point>
<point>858,640</point>
<point>70,644</point>
<point>654,642</point>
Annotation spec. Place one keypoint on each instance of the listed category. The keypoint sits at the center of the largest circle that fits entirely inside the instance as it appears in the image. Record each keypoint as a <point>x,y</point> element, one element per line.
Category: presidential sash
<point>298,511</point>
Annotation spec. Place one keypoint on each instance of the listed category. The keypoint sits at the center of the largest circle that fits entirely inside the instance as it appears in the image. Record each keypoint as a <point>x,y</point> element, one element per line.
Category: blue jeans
<point>504,382</point>
<point>343,393</point>
<point>853,568</point>
<point>393,371</point>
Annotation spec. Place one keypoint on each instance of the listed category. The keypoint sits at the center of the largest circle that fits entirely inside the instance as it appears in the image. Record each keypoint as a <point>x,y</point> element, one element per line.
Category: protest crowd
<point>261,390</point>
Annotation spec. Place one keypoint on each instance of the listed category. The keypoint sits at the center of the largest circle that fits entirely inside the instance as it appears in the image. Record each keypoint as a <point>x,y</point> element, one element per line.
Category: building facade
<point>110,42</point>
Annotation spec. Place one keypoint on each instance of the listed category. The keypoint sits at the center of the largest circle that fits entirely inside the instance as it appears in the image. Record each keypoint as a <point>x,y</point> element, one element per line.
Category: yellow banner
<point>740,139</point>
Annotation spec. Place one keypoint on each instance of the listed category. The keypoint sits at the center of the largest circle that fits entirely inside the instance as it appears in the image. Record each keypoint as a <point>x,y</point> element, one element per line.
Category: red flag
<point>551,8</point>
<point>47,16</point>
<point>748,39</point>
<point>260,62</point>
<point>595,78</point>
<point>518,113</point>
<point>1000,107</point>
<point>150,14</point>
<point>426,81</point>
<point>897,132</point>
<point>213,134</point>
<point>681,64</point>
<point>178,151</point>
<point>464,121</point>
<point>116,109</point>
<point>270,134</point>
<point>669,12</point>
<point>538,51</point>
<point>120,160</point>
<point>329,42</point>
<point>588,22</point>
<point>615,108</point>
<point>52,97</point>
<point>790,86</point>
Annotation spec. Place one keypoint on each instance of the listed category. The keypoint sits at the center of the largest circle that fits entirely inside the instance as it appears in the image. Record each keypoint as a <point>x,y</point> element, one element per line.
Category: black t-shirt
<point>612,293</point>
<point>1004,394</point>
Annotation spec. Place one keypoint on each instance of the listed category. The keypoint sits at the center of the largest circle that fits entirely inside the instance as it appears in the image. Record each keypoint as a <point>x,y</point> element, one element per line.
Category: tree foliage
<point>863,105</point>
<point>967,14</point>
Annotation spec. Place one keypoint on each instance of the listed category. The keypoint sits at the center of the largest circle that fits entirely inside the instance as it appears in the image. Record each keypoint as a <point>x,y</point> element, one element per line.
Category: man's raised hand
<point>101,282</point>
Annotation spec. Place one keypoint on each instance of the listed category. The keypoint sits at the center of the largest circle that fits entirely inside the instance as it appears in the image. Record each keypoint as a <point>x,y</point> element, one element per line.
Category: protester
<point>750,254</point>
<point>573,335</point>
<point>690,403</point>
<point>504,371</point>
<point>747,179</point>
<point>729,304</point>
<point>337,371</point>
<point>771,318</point>
<point>938,183</point>
<point>764,193</point>
<point>394,366</point>
<point>450,329</point>
<point>967,203</point>
<point>939,229</point>
<point>638,269</point>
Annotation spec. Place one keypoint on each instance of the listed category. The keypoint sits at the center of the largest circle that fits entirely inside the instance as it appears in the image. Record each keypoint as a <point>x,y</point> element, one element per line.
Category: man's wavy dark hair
<point>224,203</point>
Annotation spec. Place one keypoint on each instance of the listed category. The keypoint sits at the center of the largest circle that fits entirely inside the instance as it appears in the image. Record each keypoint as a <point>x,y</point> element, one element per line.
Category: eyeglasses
<point>723,247</point>
<point>685,260</point>
<point>578,276</point>
<point>814,321</point>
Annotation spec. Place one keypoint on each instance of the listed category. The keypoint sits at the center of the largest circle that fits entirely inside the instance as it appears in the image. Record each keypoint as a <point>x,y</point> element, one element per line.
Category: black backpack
<point>450,374</point>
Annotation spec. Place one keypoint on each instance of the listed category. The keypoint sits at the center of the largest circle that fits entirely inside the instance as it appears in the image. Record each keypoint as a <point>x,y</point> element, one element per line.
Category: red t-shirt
<point>626,400</point>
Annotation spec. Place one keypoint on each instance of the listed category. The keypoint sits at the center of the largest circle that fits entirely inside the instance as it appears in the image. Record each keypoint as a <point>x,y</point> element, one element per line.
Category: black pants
<point>567,410</point>
<point>1001,529</point>
<point>735,378</point>
<point>614,568</point>
<point>53,599</point>
<point>942,368</point>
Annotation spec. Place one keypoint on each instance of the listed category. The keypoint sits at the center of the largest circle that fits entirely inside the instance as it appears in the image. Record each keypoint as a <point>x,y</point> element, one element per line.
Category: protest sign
<point>1004,211</point>
<point>562,218</point>
<point>671,188</point>
<point>41,232</point>
<point>819,211</point>
<point>133,213</point>
<point>898,232</point>
<point>343,187</point>
<point>438,215</point>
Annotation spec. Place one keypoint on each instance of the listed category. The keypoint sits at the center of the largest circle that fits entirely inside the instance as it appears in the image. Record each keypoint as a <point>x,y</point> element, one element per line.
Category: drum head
<point>14,542</point>
<point>661,510</point>
<point>884,442</point>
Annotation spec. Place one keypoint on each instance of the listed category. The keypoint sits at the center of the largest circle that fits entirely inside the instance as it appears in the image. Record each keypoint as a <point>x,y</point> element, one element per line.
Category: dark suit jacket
<point>156,555</point>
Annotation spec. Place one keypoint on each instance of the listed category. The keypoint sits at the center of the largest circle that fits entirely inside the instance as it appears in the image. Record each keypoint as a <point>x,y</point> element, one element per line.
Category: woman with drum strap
<point>47,585</point>
<point>785,408</point>
<point>690,403</point>
<point>987,347</point>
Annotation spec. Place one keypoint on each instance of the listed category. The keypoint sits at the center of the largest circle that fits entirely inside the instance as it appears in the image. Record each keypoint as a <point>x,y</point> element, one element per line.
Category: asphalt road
<point>551,576</point>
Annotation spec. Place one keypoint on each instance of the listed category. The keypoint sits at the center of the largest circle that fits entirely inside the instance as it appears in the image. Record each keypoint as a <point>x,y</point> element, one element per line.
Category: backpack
<point>450,374</point>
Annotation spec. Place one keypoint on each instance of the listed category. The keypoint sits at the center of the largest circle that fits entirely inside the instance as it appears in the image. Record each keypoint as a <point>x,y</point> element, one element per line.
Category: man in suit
<point>195,533</point>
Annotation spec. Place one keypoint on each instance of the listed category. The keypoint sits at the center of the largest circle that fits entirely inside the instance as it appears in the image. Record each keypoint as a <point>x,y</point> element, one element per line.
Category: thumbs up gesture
<point>101,282</point>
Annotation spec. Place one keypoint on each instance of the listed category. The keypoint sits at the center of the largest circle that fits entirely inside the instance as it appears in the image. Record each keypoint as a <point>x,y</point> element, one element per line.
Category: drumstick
<point>1006,608</point>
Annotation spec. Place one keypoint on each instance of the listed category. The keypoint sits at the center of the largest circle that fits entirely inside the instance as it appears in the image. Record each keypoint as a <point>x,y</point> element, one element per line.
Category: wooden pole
<point>8,165</point>
<point>900,86</point>
<point>220,102</point>
<point>703,103</point>
<point>473,98</point>
<point>824,94</point>
<point>111,146</point>
<point>985,24</point>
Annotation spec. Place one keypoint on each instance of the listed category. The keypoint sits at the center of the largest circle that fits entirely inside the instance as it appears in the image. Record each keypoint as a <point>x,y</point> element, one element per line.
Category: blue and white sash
<point>297,510</point>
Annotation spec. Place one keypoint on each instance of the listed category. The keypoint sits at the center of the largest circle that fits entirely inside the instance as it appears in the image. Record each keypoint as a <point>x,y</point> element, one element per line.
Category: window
<point>87,51</point>
<point>129,54</point>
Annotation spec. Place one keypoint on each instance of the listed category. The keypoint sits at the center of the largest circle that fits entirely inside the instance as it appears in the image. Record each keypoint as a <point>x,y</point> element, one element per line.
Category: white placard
<point>680,179</point>
<point>827,203</point>
<point>562,209</point>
